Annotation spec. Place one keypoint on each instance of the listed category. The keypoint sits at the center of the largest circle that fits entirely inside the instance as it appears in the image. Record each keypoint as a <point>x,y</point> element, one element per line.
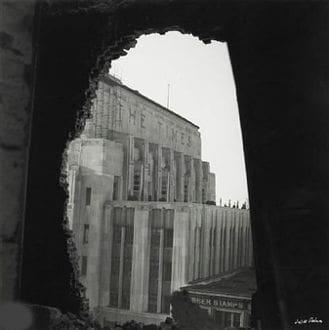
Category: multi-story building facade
<point>140,208</point>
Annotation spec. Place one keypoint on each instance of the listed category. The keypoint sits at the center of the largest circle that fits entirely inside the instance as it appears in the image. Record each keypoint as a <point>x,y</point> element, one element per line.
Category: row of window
<point>160,270</point>
<point>137,184</point>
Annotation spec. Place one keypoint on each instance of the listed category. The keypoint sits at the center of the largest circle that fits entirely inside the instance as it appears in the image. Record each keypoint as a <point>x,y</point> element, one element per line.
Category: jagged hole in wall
<point>163,127</point>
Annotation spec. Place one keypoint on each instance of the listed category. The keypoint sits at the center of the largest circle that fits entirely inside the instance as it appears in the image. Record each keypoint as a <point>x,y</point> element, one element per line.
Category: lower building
<point>227,297</point>
<point>140,252</point>
<point>141,206</point>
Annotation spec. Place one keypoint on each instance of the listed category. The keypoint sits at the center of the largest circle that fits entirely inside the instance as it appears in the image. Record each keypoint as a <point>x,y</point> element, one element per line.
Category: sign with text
<point>213,301</point>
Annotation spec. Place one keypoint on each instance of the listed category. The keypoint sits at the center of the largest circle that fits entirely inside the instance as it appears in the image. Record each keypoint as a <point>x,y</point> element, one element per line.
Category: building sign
<point>219,302</point>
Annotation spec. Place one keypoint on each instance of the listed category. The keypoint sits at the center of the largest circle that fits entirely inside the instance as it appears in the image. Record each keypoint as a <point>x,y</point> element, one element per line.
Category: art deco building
<point>142,207</point>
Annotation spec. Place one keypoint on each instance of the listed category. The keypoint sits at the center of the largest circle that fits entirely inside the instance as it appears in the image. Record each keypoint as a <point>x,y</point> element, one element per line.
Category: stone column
<point>206,255</point>
<point>192,190</point>
<point>160,274</point>
<point>219,224</point>
<point>106,255</point>
<point>141,260</point>
<point>227,241</point>
<point>192,244</point>
<point>223,243</point>
<point>197,253</point>
<point>180,248</point>
<point>16,26</point>
<point>236,251</point>
<point>101,191</point>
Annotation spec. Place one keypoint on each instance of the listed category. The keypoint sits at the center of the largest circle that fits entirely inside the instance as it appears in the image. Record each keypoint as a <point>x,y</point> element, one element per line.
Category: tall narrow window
<point>88,195</point>
<point>85,234</point>
<point>127,258</point>
<point>116,182</point>
<point>203,195</point>
<point>185,190</point>
<point>167,260</point>
<point>84,266</point>
<point>115,258</point>
<point>121,258</point>
<point>155,218</point>
<point>160,260</point>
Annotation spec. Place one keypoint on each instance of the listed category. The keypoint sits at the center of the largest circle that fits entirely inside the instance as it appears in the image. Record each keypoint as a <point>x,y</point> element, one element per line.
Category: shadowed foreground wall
<point>16,67</point>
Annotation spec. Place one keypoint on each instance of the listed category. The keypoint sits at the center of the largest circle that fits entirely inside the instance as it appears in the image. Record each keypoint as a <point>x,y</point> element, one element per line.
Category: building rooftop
<point>111,80</point>
<point>241,282</point>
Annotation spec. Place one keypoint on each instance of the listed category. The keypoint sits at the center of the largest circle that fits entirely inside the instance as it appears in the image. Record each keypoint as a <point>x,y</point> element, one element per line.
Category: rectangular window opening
<point>84,266</point>
<point>85,234</point>
<point>88,196</point>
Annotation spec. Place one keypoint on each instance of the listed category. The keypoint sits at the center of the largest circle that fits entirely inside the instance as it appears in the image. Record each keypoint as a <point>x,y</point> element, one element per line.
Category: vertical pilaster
<point>227,240</point>
<point>180,249</point>
<point>243,243</point>
<point>192,245</point>
<point>93,214</point>
<point>211,243</point>
<point>223,242</point>
<point>123,234</point>
<point>217,256</point>
<point>236,238</point>
<point>206,242</point>
<point>159,300</point>
<point>146,166</point>
<point>141,259</point>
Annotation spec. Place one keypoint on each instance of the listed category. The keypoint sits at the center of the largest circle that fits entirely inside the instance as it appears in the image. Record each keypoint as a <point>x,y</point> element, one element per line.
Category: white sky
<point>201,89</point>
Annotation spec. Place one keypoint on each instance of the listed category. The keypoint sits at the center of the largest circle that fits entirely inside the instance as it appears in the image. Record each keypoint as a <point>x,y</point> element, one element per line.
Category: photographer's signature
<point>312,319</point>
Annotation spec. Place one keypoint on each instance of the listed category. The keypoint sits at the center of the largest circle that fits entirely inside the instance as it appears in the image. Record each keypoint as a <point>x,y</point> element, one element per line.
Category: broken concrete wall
<point>16,76</point>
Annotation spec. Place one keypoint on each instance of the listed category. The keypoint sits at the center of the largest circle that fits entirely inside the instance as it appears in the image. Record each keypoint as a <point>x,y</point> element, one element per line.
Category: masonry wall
<point>207,241</point>
<point>162,150</point>
<point>16,68</point>
<point>117,108</point>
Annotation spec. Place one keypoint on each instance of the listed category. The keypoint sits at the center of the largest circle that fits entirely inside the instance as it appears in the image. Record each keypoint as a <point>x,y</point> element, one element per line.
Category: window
<point>203,196</point>
<point>84,266</point>
<point>168,238</point>
<point>85,234</point>
<point>121,257</point>
<point>166,304</point>
<point>115,195</point>
<point>167,271</point>
<point>236,319</point>
<point>88,196</point>
<point>186,190</point>
<point>154,270</point>
<point>161,244</point>
<point>227,319</point>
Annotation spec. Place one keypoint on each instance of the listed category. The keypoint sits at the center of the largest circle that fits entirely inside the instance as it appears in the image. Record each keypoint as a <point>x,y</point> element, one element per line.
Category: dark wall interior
<point>279,54</point>
<point>280,59</point>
